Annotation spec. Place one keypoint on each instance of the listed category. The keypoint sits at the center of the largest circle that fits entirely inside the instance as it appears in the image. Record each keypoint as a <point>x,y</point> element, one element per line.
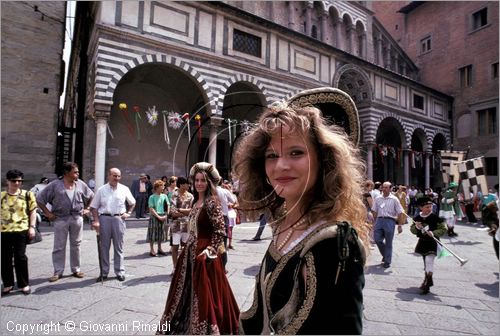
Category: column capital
<point>216,121</point>
<point>102,111</point>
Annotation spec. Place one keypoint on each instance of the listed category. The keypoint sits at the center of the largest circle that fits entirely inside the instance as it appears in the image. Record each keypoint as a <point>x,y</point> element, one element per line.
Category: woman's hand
<point>31,232</point>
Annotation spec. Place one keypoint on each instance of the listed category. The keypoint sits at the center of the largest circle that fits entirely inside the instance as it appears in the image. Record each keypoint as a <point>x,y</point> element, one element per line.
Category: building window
<point>487,121</point>
<point>480,19</point>
<point>247,43</point>
<point>425,45</point>
<point>491,164</point>
<point>494,70</point>
<point>466,76</point>
<point>418,101</point>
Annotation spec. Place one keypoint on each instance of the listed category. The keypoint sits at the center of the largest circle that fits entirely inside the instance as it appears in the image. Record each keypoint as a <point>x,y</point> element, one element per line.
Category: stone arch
<point>420,135</point>
<point>353,80</point>
<point>159,58</point>
<point>427,136</point>
<point>439,142</point>
<point>389,144</point>
<point>347,32</point>
<point>241,78</point>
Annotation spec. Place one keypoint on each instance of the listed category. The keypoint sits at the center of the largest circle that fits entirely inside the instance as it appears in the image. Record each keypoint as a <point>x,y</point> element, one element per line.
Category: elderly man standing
<point>69,198</point>
<point>139,190</point>
<point>388,213</point>
<point>109,211</point>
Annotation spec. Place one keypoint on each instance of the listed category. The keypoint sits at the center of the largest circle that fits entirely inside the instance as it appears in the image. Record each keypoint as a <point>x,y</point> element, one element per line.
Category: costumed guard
<point>426,226</point>
<point>450,208</point>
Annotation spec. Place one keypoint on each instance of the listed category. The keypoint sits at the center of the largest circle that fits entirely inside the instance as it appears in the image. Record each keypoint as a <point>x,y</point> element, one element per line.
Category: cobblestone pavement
<point>463,301</point>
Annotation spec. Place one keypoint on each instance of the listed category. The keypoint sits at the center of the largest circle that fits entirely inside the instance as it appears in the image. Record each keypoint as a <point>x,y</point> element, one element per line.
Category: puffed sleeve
<point>216,216</point>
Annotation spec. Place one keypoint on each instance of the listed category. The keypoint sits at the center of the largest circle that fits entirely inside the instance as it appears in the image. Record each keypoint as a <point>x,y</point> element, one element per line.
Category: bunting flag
<point>473,176</point>
<point>449,171</point>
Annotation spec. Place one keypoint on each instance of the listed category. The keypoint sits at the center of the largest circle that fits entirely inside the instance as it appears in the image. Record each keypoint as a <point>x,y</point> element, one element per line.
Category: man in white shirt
<point>226,199</point>
<point>388,213</point>
<point>109,209</point>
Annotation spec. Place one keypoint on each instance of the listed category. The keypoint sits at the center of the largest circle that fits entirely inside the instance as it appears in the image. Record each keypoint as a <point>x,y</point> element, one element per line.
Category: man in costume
<point>450,208</point>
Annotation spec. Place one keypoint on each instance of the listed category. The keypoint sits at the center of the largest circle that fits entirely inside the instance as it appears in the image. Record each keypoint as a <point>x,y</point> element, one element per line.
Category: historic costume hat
<point>424,200</point>
<point>335,105</point>
<point>206,167</point>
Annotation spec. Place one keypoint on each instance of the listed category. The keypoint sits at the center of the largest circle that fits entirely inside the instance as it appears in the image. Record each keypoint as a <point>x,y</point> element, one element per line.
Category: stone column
<point>338,33</point>
<point>369,161</point>
<point>380,50</point>
<point>406,166</point>
<point>324,20</point>
<point>427,170</point>
<point>102,114</point>
<point>291,23</point>
<point>388,57</point>
<point>362,48</point>
<point>215,123</point>
<point>351,32</point>
<point>308,26</point>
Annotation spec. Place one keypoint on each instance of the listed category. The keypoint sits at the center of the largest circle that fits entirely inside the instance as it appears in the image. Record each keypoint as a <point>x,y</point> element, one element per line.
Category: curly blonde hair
<point>337,194</point>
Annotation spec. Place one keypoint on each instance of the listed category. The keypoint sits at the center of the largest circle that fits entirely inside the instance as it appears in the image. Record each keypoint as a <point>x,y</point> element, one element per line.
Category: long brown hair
<point>337,194</point>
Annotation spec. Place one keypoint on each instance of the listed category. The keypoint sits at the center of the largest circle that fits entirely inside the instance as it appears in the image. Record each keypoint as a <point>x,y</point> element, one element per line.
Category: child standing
<point>427,226</point>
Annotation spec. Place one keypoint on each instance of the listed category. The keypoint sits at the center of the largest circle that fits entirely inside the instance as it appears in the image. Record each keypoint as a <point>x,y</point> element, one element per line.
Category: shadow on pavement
<point>489,289</point>
<point>252,270</point>
<point>377,269</point>
<point>412,293</point>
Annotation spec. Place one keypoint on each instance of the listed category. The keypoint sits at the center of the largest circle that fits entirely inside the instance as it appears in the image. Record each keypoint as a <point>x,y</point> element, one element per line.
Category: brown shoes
<point>78,274</point>
<point>55,277</point>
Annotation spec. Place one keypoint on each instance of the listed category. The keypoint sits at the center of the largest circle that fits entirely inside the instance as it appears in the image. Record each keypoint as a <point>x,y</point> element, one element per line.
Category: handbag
<point>37,238</point>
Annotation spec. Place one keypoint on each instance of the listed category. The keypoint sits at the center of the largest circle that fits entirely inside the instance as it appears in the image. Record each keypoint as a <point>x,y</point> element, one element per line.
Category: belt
<point>110,215</point>
<point>394,219</point>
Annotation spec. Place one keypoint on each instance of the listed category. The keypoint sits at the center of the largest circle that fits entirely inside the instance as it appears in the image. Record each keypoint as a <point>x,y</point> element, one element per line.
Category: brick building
<point>455,46</point>
<point>32,82</point>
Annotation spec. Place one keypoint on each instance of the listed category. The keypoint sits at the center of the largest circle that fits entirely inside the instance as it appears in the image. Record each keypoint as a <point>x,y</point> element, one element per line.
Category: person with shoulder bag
<point>18,226</point>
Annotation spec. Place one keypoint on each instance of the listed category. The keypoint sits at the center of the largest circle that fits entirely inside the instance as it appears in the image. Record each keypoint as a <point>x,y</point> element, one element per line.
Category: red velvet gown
<point>200,300</point>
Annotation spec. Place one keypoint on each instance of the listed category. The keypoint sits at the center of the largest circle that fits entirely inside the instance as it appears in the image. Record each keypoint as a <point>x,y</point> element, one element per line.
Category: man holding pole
<point>109,210</point>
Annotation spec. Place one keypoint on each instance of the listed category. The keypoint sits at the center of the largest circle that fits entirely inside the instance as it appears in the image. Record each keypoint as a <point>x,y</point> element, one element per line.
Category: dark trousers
<point>262,225</point>
<point>14,246</point>
<point>496,246</point>
<point>469,211</point>
<point>140,206</point>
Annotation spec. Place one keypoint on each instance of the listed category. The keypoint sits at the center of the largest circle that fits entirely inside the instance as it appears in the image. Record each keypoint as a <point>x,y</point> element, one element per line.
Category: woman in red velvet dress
<point>200,300</point>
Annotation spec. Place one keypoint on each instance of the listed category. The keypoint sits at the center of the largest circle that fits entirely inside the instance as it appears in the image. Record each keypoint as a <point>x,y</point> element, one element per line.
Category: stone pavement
<point>463,301</point>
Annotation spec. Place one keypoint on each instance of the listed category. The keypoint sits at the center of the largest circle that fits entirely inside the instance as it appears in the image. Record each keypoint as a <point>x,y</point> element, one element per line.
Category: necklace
<point>291,230</point>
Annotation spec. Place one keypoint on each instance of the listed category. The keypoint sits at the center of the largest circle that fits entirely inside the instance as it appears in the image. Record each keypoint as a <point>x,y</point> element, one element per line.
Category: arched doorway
<point>388,158</point>
<point>439,143</point>
<point>417,158</point>
<point>139,143</point>
<point>243,104</point>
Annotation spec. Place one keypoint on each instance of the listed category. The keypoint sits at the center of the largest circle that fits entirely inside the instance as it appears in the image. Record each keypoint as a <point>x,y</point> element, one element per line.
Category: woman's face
<point>291,164</point>
<point>200,183</point>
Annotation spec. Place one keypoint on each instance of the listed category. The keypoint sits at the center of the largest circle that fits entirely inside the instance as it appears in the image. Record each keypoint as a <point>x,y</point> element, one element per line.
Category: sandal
<point>152,254</point>
<point>160,252</point>
<point>27,291</point>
